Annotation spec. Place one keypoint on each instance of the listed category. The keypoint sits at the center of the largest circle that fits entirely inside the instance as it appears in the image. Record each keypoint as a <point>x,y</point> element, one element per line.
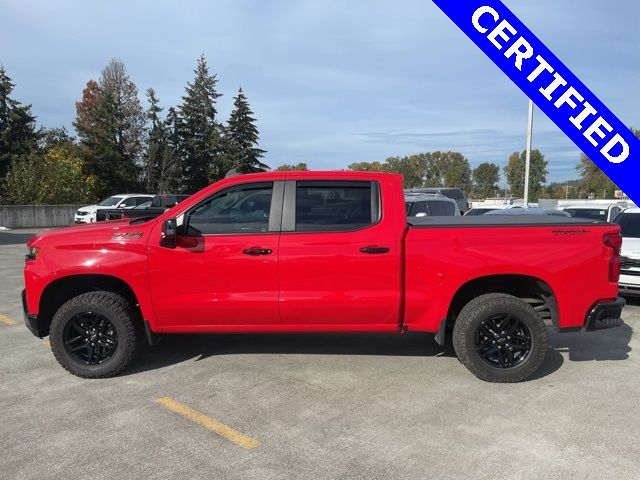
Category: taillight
<point>614,242</point>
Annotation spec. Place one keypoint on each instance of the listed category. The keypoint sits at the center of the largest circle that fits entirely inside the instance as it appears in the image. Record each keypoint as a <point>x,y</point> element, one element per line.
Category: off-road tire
<point>124,320</point>
<point>472,317</point>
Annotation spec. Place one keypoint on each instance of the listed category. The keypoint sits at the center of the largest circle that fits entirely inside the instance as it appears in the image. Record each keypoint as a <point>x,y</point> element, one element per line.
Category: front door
<point>223,270</point>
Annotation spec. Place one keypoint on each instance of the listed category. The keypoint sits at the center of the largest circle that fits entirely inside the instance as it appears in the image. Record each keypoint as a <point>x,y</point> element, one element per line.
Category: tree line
<point>123,147</point>
<point>452,169</point>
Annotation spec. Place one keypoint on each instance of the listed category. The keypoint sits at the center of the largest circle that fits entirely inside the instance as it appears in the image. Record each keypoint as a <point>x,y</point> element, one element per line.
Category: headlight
<point>33,254</point>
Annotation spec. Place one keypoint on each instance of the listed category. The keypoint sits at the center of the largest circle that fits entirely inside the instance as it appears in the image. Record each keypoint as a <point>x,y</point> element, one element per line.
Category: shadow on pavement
<point>580,346</point>
<point>14,238</point>
<point>177,348</point>
<point>634,301</point>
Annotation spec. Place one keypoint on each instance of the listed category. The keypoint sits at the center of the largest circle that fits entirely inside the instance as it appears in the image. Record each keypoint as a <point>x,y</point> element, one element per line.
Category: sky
<point>330,82</point>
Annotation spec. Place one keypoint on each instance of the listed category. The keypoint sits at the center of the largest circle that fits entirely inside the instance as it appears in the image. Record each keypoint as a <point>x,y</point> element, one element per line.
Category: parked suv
<point>453,193</point>
<point>629,221</point>
<point>424,204</point>
<point>88,214</point>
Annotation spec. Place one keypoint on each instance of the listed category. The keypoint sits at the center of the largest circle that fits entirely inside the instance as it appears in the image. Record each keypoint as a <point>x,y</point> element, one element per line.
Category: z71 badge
<point>125,235</point>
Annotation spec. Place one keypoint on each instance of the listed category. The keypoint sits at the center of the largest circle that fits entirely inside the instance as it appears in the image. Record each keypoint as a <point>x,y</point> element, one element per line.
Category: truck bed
<point>499,221</point>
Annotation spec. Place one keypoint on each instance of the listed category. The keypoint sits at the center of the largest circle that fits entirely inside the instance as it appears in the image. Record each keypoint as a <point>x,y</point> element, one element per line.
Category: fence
<point>37,216</point>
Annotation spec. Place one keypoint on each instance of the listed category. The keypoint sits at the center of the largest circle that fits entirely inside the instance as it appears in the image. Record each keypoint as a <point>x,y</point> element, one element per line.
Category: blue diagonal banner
<point>552,87</point>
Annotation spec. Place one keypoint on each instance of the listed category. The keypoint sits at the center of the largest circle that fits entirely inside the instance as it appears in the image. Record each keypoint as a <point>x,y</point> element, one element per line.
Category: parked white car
<point>590,211</point>
<point>629,221</point>
<point>128,200</point>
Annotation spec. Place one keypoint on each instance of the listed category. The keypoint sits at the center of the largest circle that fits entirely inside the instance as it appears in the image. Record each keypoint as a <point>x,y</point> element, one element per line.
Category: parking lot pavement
<point>315,407</point>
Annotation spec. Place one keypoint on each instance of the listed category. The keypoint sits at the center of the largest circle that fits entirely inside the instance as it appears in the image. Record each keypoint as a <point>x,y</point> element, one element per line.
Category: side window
<point>335,206</point>
<point>239,210</point>
<point>128,202</point>
<point>614,213</point>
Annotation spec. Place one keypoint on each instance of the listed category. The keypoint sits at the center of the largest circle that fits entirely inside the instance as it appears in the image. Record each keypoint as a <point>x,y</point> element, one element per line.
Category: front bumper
<point>89,218</point>
<point>31,321</point>
<point>605,315</point>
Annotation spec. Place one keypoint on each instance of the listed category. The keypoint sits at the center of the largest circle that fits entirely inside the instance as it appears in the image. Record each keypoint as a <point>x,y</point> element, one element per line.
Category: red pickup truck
<point>320,252</point>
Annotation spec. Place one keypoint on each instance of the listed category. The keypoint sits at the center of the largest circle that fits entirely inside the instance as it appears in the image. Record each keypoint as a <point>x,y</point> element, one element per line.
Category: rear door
<point>339,256</point>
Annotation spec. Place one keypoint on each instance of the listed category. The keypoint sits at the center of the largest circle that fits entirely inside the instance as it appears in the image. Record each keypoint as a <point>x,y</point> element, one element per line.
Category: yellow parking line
<point>208,423</point>
<point>6,320</point>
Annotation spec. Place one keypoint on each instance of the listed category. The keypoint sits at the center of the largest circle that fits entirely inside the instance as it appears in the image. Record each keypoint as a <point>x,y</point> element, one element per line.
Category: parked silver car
<point>453,193</point>
<point>426,205</point>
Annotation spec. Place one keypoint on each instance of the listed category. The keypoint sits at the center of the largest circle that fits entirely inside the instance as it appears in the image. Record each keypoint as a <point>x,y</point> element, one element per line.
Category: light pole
<point>527,162</point>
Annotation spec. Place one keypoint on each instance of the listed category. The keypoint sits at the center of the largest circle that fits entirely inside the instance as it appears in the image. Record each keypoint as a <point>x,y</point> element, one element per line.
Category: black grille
<point>626,262</point>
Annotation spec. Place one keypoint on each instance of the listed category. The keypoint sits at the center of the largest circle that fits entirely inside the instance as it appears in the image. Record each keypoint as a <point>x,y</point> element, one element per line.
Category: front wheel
<point>500,338</point>
<point>93,335</point>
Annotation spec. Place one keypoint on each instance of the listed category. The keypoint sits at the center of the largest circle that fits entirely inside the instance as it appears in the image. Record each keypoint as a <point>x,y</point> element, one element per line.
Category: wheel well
<point>60,291</point>
<point>530,289</point>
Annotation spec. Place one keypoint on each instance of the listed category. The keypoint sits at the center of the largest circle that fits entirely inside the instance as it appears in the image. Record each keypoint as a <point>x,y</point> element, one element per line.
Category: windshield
<point>629,224</point>
<point>478,211</point>
<point>588,213</point>
<point>109,202</point>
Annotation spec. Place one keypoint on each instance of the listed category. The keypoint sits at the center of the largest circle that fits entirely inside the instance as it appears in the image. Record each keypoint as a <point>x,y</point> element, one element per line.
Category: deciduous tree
<point>110,123</point>
<point>485,179</point>
<point>289,168</point>
<point>448,169</point>
<point>515,169</point>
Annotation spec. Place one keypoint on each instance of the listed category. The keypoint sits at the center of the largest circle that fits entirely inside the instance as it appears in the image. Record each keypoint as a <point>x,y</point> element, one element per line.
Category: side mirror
<point>169,233</point>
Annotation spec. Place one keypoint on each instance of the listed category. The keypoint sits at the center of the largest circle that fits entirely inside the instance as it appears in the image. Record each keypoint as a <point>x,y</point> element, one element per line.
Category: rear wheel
<point>500,338</point>
<point>94,335</point>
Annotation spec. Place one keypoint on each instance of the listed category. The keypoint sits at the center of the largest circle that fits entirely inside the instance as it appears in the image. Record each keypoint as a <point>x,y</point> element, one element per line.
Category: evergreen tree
<point>241,138</point>
<point>156,140</point>
<point>18,136</point>
<point>110,123</point>
<point>161,161</point>
<point>199,132</point>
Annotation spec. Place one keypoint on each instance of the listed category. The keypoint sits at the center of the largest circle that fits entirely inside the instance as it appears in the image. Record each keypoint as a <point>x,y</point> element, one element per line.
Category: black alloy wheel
<point>90,338</point>
<point>500,338</point>
<point>503,341</point>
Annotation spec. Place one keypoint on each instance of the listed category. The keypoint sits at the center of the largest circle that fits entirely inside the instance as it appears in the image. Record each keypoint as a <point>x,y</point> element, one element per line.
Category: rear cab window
<point>334,206</point>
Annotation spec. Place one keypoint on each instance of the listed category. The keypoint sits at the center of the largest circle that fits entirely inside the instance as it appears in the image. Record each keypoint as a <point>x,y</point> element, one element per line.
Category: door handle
<point>257,251</point>
<point>373,249</point>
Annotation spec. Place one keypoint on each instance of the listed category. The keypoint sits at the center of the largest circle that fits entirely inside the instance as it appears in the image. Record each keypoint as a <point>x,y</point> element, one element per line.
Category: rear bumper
<point>31,321</point>
<point>605,315</point>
